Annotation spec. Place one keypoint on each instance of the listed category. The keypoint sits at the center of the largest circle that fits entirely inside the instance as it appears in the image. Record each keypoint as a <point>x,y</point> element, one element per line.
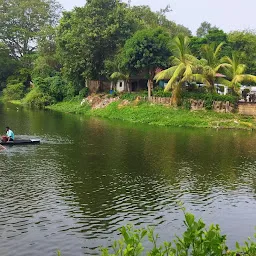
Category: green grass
<point>73,106</point>
<point>160,115</point>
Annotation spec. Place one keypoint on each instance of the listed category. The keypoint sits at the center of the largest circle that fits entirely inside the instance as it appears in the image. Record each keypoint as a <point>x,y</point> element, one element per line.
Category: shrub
<point>55,86</point>
<point>14,91</point>
<point>84,92</point>
<point>38,99</point>
<point>209,97</point>
<point>196,240</point>
<point>70,91</point>
<point>159,92</point>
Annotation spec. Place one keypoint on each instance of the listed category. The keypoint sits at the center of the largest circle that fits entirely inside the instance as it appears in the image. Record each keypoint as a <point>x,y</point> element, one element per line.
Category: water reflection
<point>91,176</point>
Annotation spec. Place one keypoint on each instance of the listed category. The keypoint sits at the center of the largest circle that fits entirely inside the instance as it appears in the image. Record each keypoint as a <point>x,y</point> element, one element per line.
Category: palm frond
<point>175,77</point>
<point>218,49</point>
<point>225,82</point>
<point>119,76</point>
<point>244,78</point>
<point>165,74</point>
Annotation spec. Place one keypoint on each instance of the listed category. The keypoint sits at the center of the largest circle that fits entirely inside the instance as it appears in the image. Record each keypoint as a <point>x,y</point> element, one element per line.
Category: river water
<point>89,177</point>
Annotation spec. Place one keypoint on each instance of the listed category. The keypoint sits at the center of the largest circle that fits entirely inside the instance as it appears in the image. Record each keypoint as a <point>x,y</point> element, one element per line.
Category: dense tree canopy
<point>89,35</point>
<point>244,44</point>
<point>204,29</point>
<point>147,50</point>
<point>21,21</point>
<point>111,39</point>
<point>8,65</point>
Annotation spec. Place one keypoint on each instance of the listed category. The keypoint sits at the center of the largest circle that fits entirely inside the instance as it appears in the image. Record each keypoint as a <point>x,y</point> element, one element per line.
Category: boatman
<point>9,135</point>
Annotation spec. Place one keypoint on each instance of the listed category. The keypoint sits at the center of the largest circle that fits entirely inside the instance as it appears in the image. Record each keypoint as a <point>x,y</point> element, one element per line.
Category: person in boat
<point>9,135</point>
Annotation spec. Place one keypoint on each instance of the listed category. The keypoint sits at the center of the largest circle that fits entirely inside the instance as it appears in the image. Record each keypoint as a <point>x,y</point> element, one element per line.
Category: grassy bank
<point>160,115</point>
<point>70,107</point>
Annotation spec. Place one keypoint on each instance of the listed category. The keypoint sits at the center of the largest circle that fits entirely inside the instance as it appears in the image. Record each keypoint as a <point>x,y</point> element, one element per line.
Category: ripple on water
<point>51,198</point>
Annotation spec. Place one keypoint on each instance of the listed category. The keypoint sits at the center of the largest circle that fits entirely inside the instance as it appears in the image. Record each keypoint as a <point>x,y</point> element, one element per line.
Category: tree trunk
<point>176,95</point>
<point>150,85</point>
<point>150,81</point>
<point>128,85</point>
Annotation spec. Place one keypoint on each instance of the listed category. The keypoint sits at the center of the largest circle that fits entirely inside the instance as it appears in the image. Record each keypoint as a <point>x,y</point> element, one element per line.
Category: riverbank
<point>160,115</point>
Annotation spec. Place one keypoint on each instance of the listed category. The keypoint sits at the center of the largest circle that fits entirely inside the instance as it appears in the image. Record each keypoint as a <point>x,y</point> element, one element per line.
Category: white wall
<point>120,85</point>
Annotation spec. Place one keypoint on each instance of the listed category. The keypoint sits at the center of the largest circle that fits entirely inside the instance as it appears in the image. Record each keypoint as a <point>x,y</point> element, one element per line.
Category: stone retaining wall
<point>247,108</point>
<point>218,106</point>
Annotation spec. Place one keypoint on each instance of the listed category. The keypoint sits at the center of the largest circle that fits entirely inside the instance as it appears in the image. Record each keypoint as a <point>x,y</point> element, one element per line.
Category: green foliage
<point>56,87</point>
<point>197,240</point>
<point>249,247</point>
<point>186,104</point>
<point>8,64</point>
<point>71,106</point>
<point>36,99</point>
<point>14,91</point>
<point>150,19</point>
<point>84,92</point>
<point>21,22</point>
<point>209,97</point>
<point>204,29</point>
<point>244,44</point>
<point>132,96</point>
<point>160,92</point>
<point>146,50</point>
<point>103,27</point>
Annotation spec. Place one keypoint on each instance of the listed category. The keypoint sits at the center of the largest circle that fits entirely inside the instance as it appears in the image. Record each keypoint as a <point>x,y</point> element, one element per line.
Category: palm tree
<point>121,76</point>
<point>235,73</point>
<point>181,70</point>
<point>209,66</point>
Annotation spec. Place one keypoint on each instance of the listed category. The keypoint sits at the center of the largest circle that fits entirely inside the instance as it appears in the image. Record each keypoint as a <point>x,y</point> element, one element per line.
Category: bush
<point>70,91</point>
<point>196,240</point>
<point>14,91</point>
<point>56,87</point>
<point>84,92</point>
<point>159,92</point>
<point>209,97</point>
<point>38,99</point>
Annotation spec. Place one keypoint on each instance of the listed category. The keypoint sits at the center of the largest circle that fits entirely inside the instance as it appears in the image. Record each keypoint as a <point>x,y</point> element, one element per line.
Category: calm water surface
<point>89,177</point>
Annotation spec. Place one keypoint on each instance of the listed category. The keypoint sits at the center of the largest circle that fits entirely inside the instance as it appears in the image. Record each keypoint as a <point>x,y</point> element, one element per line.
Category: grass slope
<point>161,115</point>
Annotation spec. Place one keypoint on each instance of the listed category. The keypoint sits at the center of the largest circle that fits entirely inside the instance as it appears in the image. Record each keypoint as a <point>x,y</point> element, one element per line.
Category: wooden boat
<point>20,142</point>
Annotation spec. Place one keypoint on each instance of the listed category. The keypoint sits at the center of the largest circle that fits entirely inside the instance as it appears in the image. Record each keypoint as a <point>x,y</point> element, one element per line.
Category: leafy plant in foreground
<point>197,240</point>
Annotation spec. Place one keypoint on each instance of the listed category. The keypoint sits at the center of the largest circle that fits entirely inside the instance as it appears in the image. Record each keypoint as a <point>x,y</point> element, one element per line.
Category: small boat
<point>20,142</point>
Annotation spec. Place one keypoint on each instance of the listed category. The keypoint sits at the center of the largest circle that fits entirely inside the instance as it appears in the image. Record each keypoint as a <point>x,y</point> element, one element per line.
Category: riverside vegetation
<point>48,61</point>
<point>56,52</point>
<point>128,108</point>
<point>197,240</point>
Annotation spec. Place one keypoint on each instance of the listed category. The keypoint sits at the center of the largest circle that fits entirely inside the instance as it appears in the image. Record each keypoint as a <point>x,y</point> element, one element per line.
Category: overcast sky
<point>226,14</point>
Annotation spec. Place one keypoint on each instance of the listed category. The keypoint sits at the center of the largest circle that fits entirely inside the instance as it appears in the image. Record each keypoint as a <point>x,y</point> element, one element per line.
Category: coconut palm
<point>235,73</point>
<point>209,66</point>
<point>181,70</point>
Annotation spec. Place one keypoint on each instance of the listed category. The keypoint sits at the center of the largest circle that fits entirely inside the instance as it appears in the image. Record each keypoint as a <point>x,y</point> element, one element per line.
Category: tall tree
<point>204,29</point>
<point>244,44</point>
<point>150,19</point>
<point>8,64</point>
<point>47,62</point>
<point>207,71</point>
<point>89,35</point>
<point>235,72</point>
<point>22,20</point>
<point>147,50</point>
<point>181,69</point>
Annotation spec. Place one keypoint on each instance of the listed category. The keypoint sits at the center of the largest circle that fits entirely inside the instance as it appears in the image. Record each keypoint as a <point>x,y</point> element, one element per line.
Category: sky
<point>228,15</point>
